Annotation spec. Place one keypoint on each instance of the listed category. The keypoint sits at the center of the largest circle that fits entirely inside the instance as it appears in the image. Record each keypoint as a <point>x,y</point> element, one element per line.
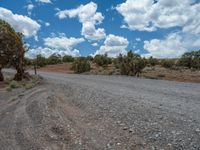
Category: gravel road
<point>86,112</point>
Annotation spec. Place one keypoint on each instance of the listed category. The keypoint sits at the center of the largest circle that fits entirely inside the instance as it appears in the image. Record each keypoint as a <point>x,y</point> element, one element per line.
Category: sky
<point>158,28</point>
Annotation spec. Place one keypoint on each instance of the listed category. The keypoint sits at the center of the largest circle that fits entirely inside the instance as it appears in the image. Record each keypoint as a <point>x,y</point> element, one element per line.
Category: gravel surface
<point>101,112</point>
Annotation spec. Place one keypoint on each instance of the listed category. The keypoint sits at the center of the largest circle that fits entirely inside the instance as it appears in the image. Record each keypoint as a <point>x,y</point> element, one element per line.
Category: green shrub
<point>132,64</point>
<point>102,60</point>
<point>81,65</point>
<point>190,60</point>
<point>54,59</point>
<point>40,61</point>
<point>14,84</point>
<point>167,63</point>
<point>67,58</point>
<point>152,61</point>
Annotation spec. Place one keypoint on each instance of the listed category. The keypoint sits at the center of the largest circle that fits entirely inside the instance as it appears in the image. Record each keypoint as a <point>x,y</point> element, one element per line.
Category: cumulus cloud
<point>57,45</point>
<point>172,46</point>
<point>44,1</point>
<point>89,18</point>
<point>62,42</point>
<point>148,15</point>
<point>113,46</point>
<point>46,52</point>
<point>20,23</point>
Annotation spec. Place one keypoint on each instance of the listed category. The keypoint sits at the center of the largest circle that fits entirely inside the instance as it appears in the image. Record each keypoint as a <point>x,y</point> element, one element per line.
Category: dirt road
<point>101,112</point>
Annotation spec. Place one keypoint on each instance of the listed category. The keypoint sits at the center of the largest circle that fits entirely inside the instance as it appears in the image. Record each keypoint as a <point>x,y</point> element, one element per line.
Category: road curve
<point>103,112</point>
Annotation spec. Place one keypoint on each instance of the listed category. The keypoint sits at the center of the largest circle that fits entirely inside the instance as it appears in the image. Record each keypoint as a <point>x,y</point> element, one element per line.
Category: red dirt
<point>63,68</point>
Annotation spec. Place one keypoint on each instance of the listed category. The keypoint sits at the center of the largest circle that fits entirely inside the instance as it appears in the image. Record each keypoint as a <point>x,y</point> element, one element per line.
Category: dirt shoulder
<point>181,75</point>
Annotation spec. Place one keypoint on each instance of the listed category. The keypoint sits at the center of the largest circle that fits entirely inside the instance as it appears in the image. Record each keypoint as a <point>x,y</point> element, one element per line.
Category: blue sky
<point>163,28</point>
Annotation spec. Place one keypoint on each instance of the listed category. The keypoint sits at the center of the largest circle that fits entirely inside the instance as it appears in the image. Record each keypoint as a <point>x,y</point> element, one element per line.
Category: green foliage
<point>102,60</point>
<point>11,49</point>
<point>152,61</point>
<point>190,60</point>
<point>28,62</point>
<point>14,84</point>
<point>67,58</point>
<point>81,65</point>
<point>132,64</point>
<point>40,61</point>
<point>54,59</point>
<point>167,63</point>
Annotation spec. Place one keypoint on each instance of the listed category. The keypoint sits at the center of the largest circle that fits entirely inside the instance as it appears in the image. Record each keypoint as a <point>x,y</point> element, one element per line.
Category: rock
<point>197,130</point>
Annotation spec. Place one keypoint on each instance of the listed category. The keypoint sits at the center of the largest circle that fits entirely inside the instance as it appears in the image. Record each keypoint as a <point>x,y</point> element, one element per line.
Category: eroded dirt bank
<point>101,112</point>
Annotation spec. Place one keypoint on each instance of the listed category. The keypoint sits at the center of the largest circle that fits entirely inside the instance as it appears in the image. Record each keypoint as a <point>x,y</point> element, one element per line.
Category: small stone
<point>125,128</point>
<point>197,130</point>
<point>118,143</point>
<point>131,130</point>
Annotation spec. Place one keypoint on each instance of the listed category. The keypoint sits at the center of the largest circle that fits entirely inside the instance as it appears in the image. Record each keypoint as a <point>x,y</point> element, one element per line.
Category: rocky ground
<point>101,112</point>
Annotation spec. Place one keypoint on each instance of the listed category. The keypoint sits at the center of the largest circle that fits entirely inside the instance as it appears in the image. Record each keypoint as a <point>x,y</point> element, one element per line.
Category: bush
<point>167,63</point>
<point>132,64</point>
<point>190,60</point>
<point>14,84</point>
<point>152,61</point>
<point>81,65</point>
<point>102,60</point>
<point>67,58</point>
<point>54,59</point>
<point>40,61</point>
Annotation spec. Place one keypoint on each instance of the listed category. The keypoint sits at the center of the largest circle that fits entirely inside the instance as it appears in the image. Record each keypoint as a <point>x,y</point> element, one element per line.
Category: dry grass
<point>63,68</point>
<point>182,75</point>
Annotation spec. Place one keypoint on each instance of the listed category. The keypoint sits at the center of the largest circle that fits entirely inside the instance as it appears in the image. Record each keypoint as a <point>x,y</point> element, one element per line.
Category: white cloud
<point>30,8</point>
<point>173,45</point>
<point>89,18</point>
<point>57,45</point>
<point>95,44</point>
<point>44,1</point>
<point>138,39</point>
<point>113,46</point>
<point>170,47</point>
<point>46,52</point>
<point>148,15</point>
<point>47,24</point>
<point>62,43</point>
<point>20,23</point>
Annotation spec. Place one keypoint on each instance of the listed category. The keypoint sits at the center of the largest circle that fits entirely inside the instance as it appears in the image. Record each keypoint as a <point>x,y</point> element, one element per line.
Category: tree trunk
<point>19,66</point>
<point>1,75</point>
<point>19,75</point>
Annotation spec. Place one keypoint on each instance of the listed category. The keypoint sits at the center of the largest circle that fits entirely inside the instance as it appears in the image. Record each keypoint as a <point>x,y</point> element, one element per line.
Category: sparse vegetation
<point>102,60</point>
<point>81,65</point>
<point>190,60</point>
<point>167,63</point>
<point>132,64</point>
<point>68,58</point>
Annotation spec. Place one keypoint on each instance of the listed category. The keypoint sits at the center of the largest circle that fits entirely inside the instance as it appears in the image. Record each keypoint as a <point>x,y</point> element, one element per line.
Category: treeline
<point>131,64</point>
